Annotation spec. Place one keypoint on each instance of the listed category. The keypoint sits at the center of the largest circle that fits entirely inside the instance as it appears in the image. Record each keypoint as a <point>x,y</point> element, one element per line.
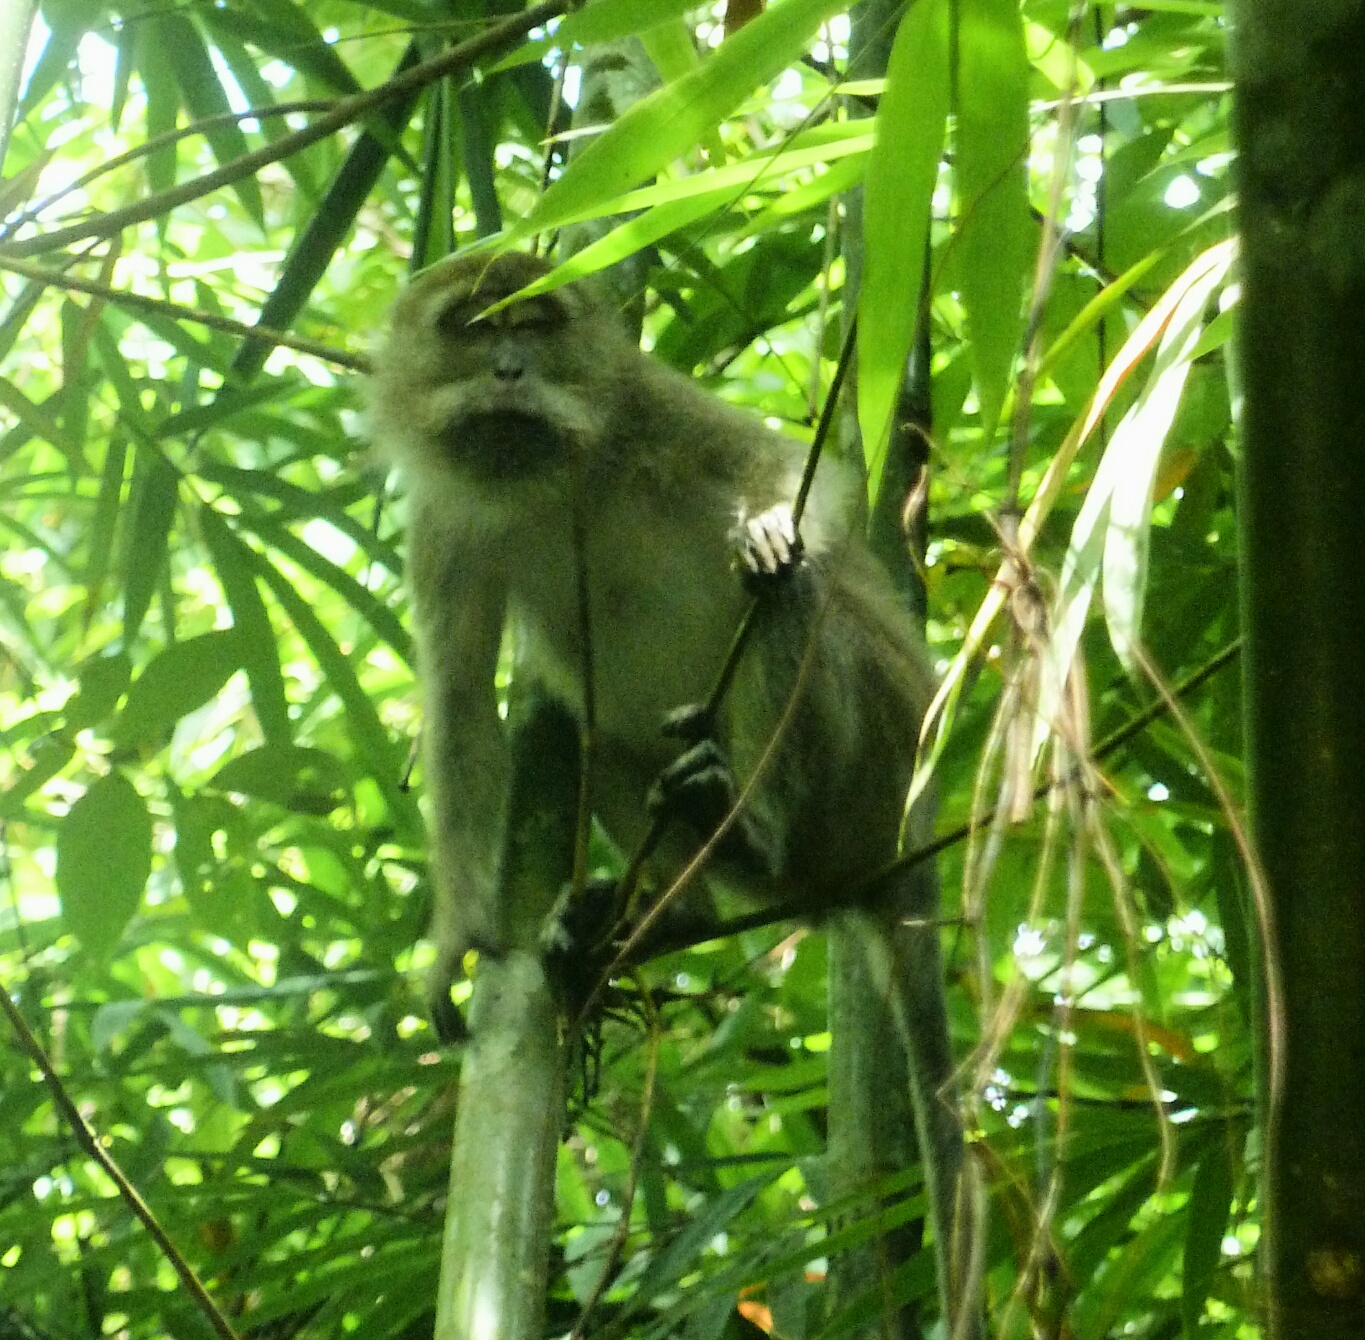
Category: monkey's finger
<point>771,544</point>
<point>691,723</point>
<point>698,786</point>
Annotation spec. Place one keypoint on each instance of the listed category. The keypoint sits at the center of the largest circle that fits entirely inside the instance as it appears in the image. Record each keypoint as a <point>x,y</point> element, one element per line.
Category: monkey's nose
<point>508,369</point>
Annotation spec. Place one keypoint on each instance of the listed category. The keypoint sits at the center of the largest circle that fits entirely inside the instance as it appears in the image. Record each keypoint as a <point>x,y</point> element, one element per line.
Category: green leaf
<point>103,680</point>
<point>280,28</point>
<point>104,855</point>
<point>259,647</point>
<point>163,105</point>
<point>996,233</point>
<point>148,540</point>
<point>38,422</point>
<point>51,753</point>
<point>308,781</point>
<point>329,224</point>
<point>175,682</point>
<point>671,120</point>
<point>373,742</point>
<point>606,20</point>
<point>365,603</point>
<point>204,96</point>
<point>1210,1205</point>
<point>898,193</point>
<point>100,546</point>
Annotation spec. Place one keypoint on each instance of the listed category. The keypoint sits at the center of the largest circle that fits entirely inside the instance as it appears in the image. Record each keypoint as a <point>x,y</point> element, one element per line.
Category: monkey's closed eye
<point>453,319</point>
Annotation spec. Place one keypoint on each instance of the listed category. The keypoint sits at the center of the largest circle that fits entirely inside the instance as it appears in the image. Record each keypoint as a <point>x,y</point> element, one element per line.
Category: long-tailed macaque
<point>513,429</point>
<point>538,438</point>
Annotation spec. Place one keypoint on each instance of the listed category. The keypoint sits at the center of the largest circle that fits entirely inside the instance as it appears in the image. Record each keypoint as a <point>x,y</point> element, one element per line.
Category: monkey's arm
<point>460,608</point>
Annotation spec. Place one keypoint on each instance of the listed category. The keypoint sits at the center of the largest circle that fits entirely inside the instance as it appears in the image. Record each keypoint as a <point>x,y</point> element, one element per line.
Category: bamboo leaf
<point>898,192</point>
<point>39,422</point>
<point>606,20</point>
<point>148,539</point>
<point>1210,1205</point>
<point>365,603</point>
<point>246,486</point>
<point>104,855</point>
<point>51,753</point>
<point>372,740</point>
<point>259,647</point>
<point>176,681</point>
<point>1073,594</point>
<point>1136,446</point>
<point>661,127</point>
<point>103,680</point>
<point>163,106</point>
<point>329,224</point>
<point>204,96</point>
<point>308,781</point>
<point>284,31</point>
<point>996,234</point>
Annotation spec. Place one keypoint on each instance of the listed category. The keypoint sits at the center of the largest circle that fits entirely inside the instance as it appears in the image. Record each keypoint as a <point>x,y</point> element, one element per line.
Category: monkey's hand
<point>769,546</point>
<point>699,787</point>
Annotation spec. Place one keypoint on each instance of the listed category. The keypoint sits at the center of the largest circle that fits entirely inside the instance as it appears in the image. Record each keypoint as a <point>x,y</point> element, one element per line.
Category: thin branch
<point>177,312</point>
<point>90,1142</point>
<point>637,1149</point>
<point>202,127</point>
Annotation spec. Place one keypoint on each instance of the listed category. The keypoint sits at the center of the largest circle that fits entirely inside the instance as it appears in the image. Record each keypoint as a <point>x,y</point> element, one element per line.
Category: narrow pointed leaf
<point>259,647</point>
<point>898,192</point>
<point>204,96</point>
<point>996,233</point>
<point>1144,429</point>
<point>308,781</point>
<point>1210,1204</point>
<point>157,499</point>
<point>666,124</point>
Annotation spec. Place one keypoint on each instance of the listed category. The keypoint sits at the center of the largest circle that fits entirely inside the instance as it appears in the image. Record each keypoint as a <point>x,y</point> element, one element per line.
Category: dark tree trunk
<point>1300,123</point>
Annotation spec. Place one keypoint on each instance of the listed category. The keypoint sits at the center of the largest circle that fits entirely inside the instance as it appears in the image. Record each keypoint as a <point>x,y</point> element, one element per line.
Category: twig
<point>176,312</point>
<point>637,1149</point>
<point>89,1141</point>
<point>31,212</point>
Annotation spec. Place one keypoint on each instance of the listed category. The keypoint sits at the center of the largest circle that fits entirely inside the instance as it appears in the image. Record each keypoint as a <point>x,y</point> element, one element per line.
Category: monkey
<point>514,428</point>
<point>539,438</point>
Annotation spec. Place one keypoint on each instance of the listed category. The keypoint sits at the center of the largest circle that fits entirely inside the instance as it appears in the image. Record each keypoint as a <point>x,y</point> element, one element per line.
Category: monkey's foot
<point>577,940</point>
<point>769,546</point>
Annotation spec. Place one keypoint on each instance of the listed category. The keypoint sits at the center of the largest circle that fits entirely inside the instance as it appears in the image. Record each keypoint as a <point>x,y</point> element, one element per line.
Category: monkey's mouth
<point>504,444</point>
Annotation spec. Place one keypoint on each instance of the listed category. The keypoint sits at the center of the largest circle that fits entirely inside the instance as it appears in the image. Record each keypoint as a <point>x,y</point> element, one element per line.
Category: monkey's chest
<point>661,611</point>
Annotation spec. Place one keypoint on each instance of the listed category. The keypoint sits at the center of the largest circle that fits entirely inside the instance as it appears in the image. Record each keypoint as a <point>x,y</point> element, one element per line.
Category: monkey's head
<point>520,395</point>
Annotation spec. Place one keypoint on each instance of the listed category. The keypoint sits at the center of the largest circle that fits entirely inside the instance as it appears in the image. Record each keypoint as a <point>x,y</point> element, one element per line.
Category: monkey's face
<point>517,394</point>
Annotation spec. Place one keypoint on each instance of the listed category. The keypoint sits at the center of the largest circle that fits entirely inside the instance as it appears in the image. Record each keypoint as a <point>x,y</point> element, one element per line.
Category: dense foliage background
<point>214,876</point>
